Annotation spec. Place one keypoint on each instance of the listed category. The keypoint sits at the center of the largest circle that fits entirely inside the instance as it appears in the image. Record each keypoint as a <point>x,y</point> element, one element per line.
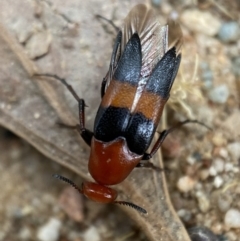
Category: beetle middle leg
<point>161,138</point>
<point>85,133</point>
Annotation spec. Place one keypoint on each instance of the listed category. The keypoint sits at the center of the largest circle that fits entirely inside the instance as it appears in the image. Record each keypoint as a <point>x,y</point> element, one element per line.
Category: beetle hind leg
<point>165,133</point>
<point>85,133</point>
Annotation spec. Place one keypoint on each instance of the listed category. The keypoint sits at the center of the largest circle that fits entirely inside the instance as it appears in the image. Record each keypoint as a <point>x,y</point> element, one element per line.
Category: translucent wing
<point>154,36</point>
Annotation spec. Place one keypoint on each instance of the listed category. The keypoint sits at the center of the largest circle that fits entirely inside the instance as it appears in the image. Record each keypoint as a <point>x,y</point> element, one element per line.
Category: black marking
<point>114,122</point>
<point>110,123</point>
<point>130,63</point>
<point>162,78</point>
<point>139,133</point>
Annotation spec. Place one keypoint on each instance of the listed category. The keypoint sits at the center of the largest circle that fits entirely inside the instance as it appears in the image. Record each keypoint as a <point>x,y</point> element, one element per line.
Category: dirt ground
<point>201,165</point>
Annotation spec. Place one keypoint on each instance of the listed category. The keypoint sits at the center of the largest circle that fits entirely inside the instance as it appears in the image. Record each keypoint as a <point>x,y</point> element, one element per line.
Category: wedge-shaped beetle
<point>143,66</point>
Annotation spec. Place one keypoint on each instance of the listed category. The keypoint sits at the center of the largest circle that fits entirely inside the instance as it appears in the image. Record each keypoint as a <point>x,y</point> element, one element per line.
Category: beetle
<point>144,63</point>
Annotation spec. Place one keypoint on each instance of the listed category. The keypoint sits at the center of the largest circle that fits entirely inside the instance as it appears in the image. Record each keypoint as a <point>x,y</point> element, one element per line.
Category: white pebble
<point>50,231</point>
<point>25,234</point>
<point>218,164</point>
<point>229,32</point>
<point>212,171</point>
<point>36,115</point>
<point>219,94</point>
<point>91,234</point>
<point>184,214</point>
<point>224,202</point>
<point>229,167</point>
<point>232,218</point>
<point>191,160</point>
<point>186,184</point>
<point>203,201</point>
<point>218,182</point>
<point>234,150</point>
<point>223,153</point>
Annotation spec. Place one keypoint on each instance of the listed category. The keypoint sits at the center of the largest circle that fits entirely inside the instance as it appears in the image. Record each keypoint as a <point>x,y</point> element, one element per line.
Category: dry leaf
<point>30,107</point>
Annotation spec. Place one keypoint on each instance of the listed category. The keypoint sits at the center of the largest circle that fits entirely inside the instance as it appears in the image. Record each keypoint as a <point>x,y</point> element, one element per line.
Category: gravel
<point>232,218</point>
<point>219,94</point>
<point>50,231</point>
<point>229,32</point>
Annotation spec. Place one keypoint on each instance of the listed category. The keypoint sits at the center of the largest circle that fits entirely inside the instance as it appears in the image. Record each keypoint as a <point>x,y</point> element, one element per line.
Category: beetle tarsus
<point>109,21</point>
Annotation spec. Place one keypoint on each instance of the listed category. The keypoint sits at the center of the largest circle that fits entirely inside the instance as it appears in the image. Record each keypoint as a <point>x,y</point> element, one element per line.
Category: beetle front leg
<point>85,133</point>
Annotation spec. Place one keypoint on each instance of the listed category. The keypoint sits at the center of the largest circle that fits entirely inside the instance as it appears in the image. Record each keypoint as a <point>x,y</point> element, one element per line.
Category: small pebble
<point>234,150</point>
<point>186,184</point>
<point>229,32</point>
<point>25,234</point>
<point>203,202</point>
<point>218,164</point>
<point>219,94</point>
<point>218,182</point>
<point>191,160</point>
<point>50,231</point>
<point>207,76</point>
<point>204,174</point>
<point>91,234</point>
<point>229,167</point>
<point>232,218</point>
<point>218,139</point>
<point>212,171</point>
<point>185,215</point>
<point>223,153</point>
<point>37,115</point>
<point>224,202</point>
<point>200,21</point>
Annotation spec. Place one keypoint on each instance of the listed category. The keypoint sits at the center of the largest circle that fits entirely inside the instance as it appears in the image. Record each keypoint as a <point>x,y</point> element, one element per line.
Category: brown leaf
<point>30,107</point>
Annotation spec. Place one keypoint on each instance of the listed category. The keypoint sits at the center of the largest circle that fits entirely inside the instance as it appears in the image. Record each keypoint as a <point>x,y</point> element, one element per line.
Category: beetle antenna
<point>132,205</point>
<point>67,181</point>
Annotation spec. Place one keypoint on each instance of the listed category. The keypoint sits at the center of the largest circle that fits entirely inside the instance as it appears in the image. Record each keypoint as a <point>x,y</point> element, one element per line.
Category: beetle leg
<point>109,21</point>
<point>146,163</point>
<point>85,133</point>
<point>164,134</point>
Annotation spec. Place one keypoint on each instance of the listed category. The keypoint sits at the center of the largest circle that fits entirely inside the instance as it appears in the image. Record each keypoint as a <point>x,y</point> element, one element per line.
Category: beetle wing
<point>142,77</point>
<point>175,35</point>
<point>153,36</point>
